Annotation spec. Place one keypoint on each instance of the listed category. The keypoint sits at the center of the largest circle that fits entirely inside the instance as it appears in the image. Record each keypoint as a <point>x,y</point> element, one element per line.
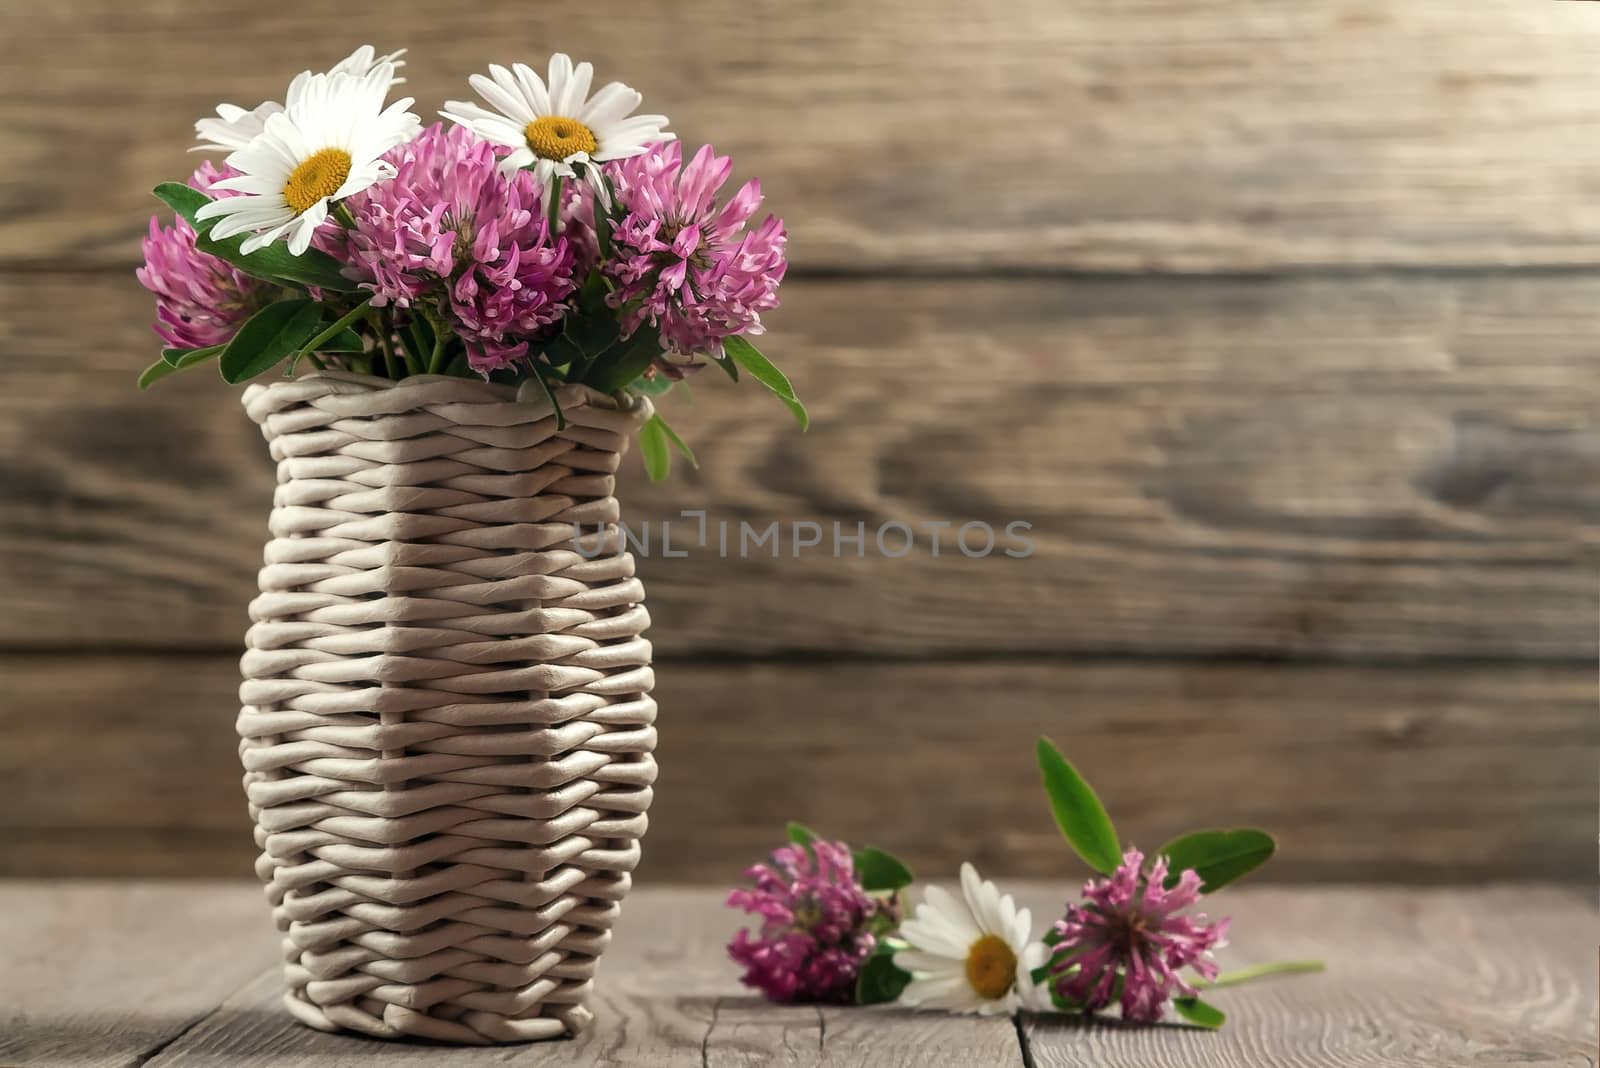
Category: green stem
<point>555,204</point>
<point>345,320</point>
<point>386,343</point>
<point>389,366</point>
<point>342,213</point>
<point>436,360</point>
<point>1261,971</point>
<point>412,337</point>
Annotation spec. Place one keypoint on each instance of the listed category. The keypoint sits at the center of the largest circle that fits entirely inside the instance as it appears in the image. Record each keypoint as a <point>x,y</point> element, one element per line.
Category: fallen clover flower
<point>824,911</point>
<point>1127,936</point>
<point>1126,941</point>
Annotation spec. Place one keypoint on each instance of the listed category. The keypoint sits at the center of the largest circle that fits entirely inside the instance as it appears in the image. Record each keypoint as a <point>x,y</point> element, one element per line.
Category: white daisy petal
<point>972,890</point>
<point>265,238</point>
<point>610,105</point>
<point>559,73</point>
<point>920,992</point>
<point>999,910</point>
<point>918,962</point>
<point>364,59</point>
<point>487,124</point>
<point>1032,995</point>
<point>233,128</point>
<point>295,98</point>
<point>533,88</point>
<point>961,920</point>
<point>1021,928</point>
<point>503,94</point>
<point>574,99</point>
<point>299,237</point>
<point>517,159</point>
<point>952,927</point>
<point>250,183</point>
<point>936,938</point>
<point>956,997</point>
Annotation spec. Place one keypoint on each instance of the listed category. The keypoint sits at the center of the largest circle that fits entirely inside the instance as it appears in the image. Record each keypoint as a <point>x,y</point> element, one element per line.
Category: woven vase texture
<point>447,725</point>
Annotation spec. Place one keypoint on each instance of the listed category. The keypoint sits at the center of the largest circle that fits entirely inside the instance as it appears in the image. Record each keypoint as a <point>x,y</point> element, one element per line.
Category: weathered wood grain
<point>1498,977</point>
<point>126,765</point>
<point>1386,469</point>
<point>919,135</point>
<point>96,975</point>
<point>1416,977</point>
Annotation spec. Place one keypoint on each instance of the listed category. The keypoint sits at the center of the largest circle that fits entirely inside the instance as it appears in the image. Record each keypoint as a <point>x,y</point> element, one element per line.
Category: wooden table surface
<point>161,975</point>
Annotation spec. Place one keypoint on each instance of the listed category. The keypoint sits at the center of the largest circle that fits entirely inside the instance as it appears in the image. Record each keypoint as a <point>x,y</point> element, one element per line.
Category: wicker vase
<point>447,728</point>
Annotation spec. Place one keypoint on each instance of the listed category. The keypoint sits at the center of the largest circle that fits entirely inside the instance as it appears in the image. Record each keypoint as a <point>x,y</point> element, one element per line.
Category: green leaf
<point>749,357</point>
<point>880,871</point>
<point>677,442</point>
<point>588,330</point>
<point>880,979</point>
<point>1078,812</point>
<point>165,366</point>
<point>593,333</point>
<point>344,341</point>
<point>155,373</point>
<point>799,412</point>
<point>653,449</point>
<point>800,834</point>
<point>176,356</point>
<point>593,328</point>
<point>729,368</point>
<point>765,371</point>
<point>1199,1013</point>
<point>623,362</point>
<point>1219,856</point>
<point>275,263</point>
<point>270,335</point>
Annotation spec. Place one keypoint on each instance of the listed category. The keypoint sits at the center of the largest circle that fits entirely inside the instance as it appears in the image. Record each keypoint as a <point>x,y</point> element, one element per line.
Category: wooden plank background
<point>1274,320</point>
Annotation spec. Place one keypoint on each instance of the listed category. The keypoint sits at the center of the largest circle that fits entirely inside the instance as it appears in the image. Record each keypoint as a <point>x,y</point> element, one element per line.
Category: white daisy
<point>326,144</point>
<point>556,127</point>
<point>234,127</point>
<point>971,954</point>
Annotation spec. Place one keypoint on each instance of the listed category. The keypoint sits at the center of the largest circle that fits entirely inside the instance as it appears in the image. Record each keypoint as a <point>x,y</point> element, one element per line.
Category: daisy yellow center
<point>317,177</point>
<point>991,967</point>
<point>553,137</point>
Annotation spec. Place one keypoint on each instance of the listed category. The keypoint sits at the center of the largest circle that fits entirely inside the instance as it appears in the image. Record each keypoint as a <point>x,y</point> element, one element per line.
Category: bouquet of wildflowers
<point>551,237</point>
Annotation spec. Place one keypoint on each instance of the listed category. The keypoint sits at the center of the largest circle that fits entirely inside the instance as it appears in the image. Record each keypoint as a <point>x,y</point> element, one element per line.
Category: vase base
<point>399,1023</point>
